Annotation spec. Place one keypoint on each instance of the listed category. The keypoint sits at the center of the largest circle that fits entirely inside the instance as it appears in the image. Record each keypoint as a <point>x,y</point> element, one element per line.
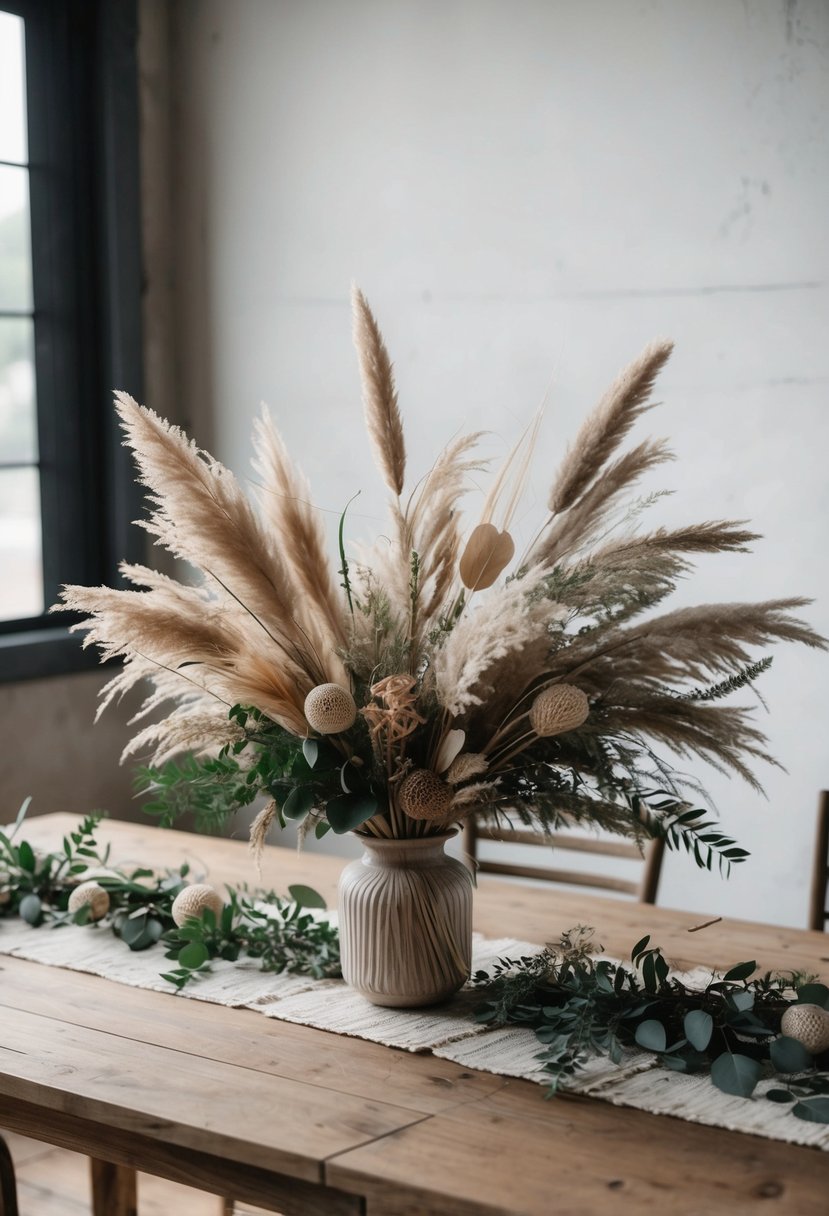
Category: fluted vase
<point>406,922</point>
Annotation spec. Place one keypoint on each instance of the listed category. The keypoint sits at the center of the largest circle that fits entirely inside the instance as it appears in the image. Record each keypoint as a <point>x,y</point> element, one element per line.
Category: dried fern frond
<point>607,426</point>
<point>383,421</point>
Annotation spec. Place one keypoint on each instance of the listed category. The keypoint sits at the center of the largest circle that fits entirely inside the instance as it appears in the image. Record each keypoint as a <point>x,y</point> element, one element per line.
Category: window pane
<point>15,240</point>
<point>18,421</point>
<point>21,576</point>
<point>12,89</point>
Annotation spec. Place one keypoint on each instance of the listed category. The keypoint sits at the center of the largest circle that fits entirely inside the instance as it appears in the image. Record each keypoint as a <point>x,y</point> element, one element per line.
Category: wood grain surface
<point>301,1121</point>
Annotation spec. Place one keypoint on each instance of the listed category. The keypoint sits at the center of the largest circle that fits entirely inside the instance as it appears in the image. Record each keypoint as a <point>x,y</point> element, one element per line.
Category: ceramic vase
<point>406,922</point>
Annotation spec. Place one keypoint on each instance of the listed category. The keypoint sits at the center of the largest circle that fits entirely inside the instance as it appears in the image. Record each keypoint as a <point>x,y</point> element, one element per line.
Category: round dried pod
<point>809,1024</point>
<point>90,895</point>
<point>193,900</point>
<point>558,709</point>
<point>466,765</point>
<point>330,709</point>
<point>423,795</point>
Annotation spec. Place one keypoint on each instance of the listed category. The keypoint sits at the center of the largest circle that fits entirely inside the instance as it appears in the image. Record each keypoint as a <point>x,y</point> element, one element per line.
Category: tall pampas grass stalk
<point>432,675</point>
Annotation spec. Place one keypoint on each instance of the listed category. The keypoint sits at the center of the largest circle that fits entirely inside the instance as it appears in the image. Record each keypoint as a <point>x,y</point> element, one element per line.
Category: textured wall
<point>53,750</point>
<point>528,193</point>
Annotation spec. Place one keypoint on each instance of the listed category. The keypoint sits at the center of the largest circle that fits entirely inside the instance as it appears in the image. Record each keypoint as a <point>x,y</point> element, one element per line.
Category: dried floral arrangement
<point>441,675</point>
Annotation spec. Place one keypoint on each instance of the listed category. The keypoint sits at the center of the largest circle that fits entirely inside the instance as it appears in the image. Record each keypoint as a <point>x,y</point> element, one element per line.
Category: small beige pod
<point>487,553</point>
<point>193,900</point>
<point>557,709</point>
<point>330,709</point>
<point>425,795</point>
<point>90,895</point>
<point>809,1024</point>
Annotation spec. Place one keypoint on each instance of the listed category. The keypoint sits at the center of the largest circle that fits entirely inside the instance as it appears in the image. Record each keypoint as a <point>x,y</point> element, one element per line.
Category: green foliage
<point>283,934</point>
<point>579,1006</point>
<point>746,675</point>
<point>303,776</point>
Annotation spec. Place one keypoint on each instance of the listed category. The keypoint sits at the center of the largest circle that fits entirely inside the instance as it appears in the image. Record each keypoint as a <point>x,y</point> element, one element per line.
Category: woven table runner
<point>447,1031</point>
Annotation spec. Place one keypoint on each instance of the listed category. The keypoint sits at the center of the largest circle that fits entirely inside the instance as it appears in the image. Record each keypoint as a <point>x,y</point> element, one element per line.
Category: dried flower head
<point>330,709</point>
<point>423,795</point>
<point>559,709</point>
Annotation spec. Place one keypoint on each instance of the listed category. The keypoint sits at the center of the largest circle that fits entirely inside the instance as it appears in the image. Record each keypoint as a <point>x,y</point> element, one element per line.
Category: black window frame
<point>82,99</point>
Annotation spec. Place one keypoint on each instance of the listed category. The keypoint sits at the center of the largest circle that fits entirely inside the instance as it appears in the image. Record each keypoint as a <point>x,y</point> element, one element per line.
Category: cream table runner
<point>447,1031</point>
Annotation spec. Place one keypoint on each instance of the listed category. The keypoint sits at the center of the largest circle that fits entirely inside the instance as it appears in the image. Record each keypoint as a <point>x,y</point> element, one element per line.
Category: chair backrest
<point>644,890</point>
<point>819,899</point>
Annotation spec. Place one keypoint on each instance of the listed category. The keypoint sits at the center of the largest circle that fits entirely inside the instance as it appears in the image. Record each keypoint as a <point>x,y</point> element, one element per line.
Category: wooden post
<point>820,872</point>
<point>113,1189</point>
<point>8,1187</point>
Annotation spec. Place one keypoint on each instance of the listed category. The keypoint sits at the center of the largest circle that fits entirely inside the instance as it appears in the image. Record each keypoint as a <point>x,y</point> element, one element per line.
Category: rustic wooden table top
<point>301,1121</point>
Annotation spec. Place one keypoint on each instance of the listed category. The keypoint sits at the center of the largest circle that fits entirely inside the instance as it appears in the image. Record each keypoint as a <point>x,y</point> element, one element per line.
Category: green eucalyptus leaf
<point>814,1110</point>
<point>345,812</point>
<point>31,909</point>
<point>813,994</point>
<point>698,1026</point>
<point>639,947</point>
<point>310,750</point>
<point>742,1001</point>
<point>321,829</point>
<point>193,956</point>
<point>779,1095</point>
<point>306,897</point>
<point>298,803</point>
<point>26,857</point>
<point>789,1055</point>
<point>132,930</point>
<point>651,1035</point>
<point>736,1074</point>
<point>741,972</point>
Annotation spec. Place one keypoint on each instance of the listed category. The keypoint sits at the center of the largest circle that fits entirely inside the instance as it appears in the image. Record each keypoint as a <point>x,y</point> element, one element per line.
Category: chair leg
<point>8,1187</point>
<point>226,1207</point>
<point>114,1189</point>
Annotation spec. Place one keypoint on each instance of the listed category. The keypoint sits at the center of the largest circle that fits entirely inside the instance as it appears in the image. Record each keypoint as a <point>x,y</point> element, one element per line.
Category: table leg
<point>8,1189</point>
<point>113,1189</point>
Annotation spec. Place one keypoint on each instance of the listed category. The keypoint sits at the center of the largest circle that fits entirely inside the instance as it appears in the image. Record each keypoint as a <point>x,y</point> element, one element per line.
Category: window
<point>21,589</point>
<point>70,289</point>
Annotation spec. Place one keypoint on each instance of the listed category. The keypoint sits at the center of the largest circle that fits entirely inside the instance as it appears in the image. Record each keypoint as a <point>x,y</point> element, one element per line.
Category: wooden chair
<point>644,890</point>
<point>8,1186</point>
<point>819,899</point>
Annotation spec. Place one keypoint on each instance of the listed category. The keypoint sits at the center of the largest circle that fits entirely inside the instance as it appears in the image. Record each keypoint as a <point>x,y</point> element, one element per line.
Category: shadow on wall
<point>54,750</point>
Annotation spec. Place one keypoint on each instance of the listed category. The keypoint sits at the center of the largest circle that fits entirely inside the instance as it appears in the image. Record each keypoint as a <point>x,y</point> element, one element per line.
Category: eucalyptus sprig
<point>580,1006</point>
<point>283,934</point>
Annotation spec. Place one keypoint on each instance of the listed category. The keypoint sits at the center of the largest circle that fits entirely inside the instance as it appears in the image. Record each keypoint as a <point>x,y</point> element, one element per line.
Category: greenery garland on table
<point>283,934</point>
<point>577,1004</point>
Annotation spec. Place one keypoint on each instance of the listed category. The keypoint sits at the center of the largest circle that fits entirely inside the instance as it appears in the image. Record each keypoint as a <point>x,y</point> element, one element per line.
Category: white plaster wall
<point>529,192</point>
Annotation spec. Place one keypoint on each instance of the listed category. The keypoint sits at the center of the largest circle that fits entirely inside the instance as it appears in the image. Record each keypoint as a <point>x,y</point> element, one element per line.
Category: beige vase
<point>406,922</point>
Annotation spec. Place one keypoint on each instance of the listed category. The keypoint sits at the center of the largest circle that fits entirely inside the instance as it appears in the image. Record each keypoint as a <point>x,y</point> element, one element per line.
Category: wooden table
<point>301,1121</point>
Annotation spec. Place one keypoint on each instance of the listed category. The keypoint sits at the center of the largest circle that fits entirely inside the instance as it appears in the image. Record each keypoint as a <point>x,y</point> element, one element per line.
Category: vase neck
<point>421,851</point>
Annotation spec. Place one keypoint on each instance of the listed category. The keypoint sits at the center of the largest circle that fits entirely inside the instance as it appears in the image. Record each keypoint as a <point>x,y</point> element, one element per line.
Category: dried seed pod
<point>487,553</point>
<point>466,765</point>
<point>193,900</point>
<point>558,709</point>
<point>809,1024</point>
<point>90,895</point>
<point>423,795</point>
<point>330,709</point>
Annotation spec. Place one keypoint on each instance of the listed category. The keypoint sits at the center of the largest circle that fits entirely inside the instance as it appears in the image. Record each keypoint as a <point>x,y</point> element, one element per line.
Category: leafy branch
<point>580,1006</point>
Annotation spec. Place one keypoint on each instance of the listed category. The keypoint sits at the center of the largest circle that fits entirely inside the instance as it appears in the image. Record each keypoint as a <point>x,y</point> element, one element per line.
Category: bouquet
<point>437,673</point>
